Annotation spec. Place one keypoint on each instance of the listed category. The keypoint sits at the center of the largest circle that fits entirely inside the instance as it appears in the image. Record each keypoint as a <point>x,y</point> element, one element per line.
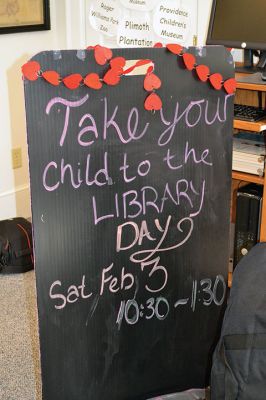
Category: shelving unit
<point>247,93</point>
<point>242,176</point>
<point>250,126</point>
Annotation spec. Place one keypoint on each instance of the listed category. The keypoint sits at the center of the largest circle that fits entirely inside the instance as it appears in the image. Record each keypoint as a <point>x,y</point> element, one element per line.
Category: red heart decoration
<point>151,82</point>
<point>102,54</point>
<point>51,77</point>
<point>203,72</point>
<point>118,62</point>
<point>216,81</point>
<point>111,77</point>
<point>230,85</point>
<point>128,70</point>
<point>139,63</point>
<point>93,81</point>
<point>189,61</point>
<point>30,70</point>
<point>174,48</point>
<point>158,45</point>
<point>150,69</point>
<point>72,81</point>
<point>153,102</point>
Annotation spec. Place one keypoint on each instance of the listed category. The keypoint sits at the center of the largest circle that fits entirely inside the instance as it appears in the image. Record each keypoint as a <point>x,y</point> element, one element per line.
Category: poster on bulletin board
<point>141,23</point>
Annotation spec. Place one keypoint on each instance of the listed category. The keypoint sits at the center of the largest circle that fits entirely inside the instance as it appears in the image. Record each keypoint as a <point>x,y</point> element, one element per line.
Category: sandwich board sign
<point>130,207</point>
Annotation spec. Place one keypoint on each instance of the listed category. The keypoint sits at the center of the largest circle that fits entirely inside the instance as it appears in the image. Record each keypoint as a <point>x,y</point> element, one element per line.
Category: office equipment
<point>240,24</point>
<point>247,93</point>
<point>249,152</point>
<point>249,137</point>
<point>254,78</point>
<point>248,215</point>
<point>130,227</point>
<point>249,113</point>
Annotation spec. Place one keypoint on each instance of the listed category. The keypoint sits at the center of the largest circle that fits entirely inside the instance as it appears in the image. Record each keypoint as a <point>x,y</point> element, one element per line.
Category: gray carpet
<point>19,343</point>
<point>19,340</point>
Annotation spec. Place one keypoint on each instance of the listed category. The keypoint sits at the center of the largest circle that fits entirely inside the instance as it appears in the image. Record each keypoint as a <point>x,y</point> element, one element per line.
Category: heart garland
<point>102,54</point>
<point>152,82</point>
<point>216,81</point>
<point>52,77</point>
<point>153,102</point>
<point>230,85</point>
<point>113,75</point>
<point>189,61</point>
<point>93,81</point>
<point>72,81</point>
<point>203,71</point>
<point>32,71</point>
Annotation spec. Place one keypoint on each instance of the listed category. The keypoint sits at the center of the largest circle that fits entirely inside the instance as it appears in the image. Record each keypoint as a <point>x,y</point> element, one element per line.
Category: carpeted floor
<point>19,342</point>
<point>19,339</point>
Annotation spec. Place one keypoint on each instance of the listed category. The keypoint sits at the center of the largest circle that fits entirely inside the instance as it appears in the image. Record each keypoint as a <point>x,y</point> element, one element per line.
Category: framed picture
<point>24,15</point>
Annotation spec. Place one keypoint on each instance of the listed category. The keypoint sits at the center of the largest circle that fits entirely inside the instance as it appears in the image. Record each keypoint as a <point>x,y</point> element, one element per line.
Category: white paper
<point>135,30</point>
<point>142,23</point>
<point>140,5</point>
<point>104,16</point>
<point>172,21</point>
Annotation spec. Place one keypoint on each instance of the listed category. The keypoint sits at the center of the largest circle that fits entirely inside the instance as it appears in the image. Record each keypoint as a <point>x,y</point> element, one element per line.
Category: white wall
<point>204,10</point>
<point>16,49</point>
<point>67,31</point>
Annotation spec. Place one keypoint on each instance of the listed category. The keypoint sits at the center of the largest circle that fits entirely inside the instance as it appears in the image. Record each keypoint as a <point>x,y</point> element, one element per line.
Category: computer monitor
<point>240,24</point>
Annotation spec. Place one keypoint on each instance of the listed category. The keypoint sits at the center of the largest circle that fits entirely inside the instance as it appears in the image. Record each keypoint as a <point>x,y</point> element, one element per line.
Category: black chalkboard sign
<point>131,220</point>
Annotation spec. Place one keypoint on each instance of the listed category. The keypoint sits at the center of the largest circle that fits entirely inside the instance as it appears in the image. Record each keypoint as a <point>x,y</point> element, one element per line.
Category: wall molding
<point>15,202</point>
<point>75,24</point>
<point>15,190</point>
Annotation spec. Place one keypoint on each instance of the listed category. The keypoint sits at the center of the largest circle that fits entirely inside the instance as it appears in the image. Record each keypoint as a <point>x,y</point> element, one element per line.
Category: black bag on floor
<point>16,254</point>
<point>239,360</point>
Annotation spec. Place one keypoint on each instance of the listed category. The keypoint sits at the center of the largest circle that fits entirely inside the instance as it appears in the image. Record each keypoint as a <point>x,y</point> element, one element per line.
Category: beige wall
<point>15,50</point>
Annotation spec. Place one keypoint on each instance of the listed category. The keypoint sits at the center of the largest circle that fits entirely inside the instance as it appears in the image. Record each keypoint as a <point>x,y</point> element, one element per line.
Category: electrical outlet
<point>17,158</point>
